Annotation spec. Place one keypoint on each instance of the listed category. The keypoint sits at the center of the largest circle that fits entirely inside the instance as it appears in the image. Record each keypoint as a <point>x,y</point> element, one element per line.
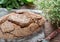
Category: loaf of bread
<point>22,24</point>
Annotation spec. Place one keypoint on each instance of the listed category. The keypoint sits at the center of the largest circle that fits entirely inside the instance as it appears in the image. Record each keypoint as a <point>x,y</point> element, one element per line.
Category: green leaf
<point>15,4</point>
<point>1,1</point>
<point>29,0</point>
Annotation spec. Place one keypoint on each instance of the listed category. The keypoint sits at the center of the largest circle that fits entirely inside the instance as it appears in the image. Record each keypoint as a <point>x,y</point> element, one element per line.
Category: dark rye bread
<point>22,24</point>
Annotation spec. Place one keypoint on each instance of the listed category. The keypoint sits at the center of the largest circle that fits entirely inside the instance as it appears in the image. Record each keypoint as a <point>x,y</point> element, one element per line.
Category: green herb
<point>10,4</point>
<point>51,9</point>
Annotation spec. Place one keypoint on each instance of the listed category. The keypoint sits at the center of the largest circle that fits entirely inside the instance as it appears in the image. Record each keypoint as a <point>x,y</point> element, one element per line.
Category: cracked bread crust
<point>22,24</point>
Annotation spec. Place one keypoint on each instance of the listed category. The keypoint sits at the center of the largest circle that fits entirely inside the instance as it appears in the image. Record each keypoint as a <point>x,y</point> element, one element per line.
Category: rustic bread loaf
<point>16,25</point>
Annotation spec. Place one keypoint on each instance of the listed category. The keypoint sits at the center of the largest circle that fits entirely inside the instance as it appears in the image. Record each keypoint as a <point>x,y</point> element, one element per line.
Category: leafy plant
<point>9,4</point>
<point>51,9</point>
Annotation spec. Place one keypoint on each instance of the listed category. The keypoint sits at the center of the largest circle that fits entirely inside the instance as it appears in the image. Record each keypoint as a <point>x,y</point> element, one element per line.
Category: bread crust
<point>16,25</point>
